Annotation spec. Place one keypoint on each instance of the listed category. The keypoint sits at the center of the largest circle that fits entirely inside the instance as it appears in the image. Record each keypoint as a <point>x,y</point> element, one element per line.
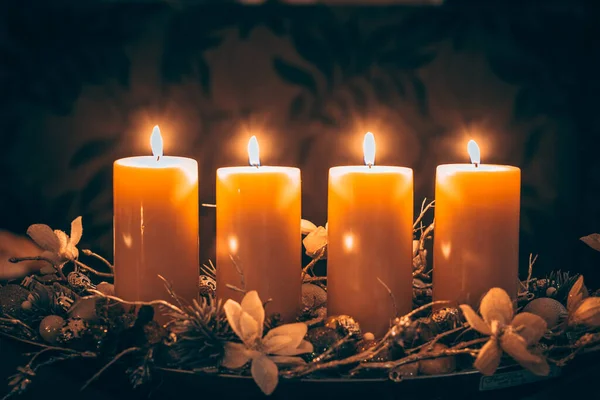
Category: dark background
<point>82,83</point>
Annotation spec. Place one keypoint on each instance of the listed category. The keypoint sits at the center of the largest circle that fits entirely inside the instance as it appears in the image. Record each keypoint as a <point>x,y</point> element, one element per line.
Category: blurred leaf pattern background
<point>83,85</point>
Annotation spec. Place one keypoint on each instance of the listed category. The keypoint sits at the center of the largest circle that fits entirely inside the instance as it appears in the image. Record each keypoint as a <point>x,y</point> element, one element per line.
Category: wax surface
<point>476,239</point>
<point>155,227</point>
<point>258,224</point>
<point>370,215</point>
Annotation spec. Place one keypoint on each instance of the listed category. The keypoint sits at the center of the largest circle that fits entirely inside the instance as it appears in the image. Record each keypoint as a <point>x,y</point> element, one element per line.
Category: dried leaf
<point>307,227</point>
<point>516,346</point>
<point>76,231</point>
<point>475,320</point>
<point>496,305</point>
<point>575,295</point>
<point>531,327</point>
<point>44,237</point>
<point>592,240</point>
<point>236,355</point>
<point>488,360</point>
<point>265,374</point>
<point>588,313</point>
<point>252,304</point>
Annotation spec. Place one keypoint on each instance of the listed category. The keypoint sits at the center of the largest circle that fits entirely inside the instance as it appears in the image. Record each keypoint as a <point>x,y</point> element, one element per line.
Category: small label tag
<point>514,378</point>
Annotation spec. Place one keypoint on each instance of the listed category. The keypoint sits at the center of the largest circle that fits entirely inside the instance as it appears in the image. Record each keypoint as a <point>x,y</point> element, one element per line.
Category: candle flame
<point>253,154</point>
<point>474,153</point>
<point>156,142</point>
<point>369,149</point>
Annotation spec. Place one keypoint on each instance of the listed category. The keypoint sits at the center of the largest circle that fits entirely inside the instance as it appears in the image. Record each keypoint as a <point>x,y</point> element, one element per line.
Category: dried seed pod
<point>551,311</point>
<point>437,366</point>
<point>588,313</point>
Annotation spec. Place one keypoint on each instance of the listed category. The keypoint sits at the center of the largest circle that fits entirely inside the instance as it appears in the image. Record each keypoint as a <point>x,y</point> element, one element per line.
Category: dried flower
<point>279,345</point>
<point>583,311</point>
<point>316,238</point>
<point>58,246</point>
<point>508,334</point>
<point>592,240</point>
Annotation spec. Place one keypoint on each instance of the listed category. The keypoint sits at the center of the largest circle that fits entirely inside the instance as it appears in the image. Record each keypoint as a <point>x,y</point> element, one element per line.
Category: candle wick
<point>476,165</point>
<point>157,158</point>
<point>370,165</point>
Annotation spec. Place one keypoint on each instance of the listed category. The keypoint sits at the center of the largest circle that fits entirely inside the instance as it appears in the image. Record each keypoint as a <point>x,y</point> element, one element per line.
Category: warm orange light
<point>253,154</point>
<point>156,142</point>
<point>474,152</point>
<point>369,149</point>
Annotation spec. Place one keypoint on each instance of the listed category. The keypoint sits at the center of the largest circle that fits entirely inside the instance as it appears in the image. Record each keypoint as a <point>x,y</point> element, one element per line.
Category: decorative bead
<point>437,366</point>
<point>322,338</point>
<point>551,311</point>
<point>11,298</point>
<point>207,285</point>
<point>84,308</point>
<point>313,296</point>
<point>368,336</point>
<point>106,288</point>
<point>79,281</point>
<point>446,318</point>
<point>344,325</point>
<point>50,328</point>
<point>75,328</point>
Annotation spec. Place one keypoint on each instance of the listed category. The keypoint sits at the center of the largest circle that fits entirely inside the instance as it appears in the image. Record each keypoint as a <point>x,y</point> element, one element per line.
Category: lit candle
<point>476,242</point>
<point>370,212</point>
<point>155,225</point>
<point>259,235</point>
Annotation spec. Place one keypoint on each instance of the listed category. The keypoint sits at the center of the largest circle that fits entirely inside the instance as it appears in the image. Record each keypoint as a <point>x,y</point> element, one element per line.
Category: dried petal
<point>496,305</point>
<point>588,313</point>
<point>531,327</point>
<point>265,374</point>
<point>307,227</point>
<point>592,240</point>
<point>248,328</point>
<point>276,343</point>
<point>315,241</point>
<point>236,355</point>
<point>304,348</point>
<point>295,332</point>
<point>515,346</point>
<point>575,295</point>
<point>44,237</point>
<point>252,305</point>
<point>488,360</point>
<point>76,231</point>
<point>233,311</point>
<point>475,320</point>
